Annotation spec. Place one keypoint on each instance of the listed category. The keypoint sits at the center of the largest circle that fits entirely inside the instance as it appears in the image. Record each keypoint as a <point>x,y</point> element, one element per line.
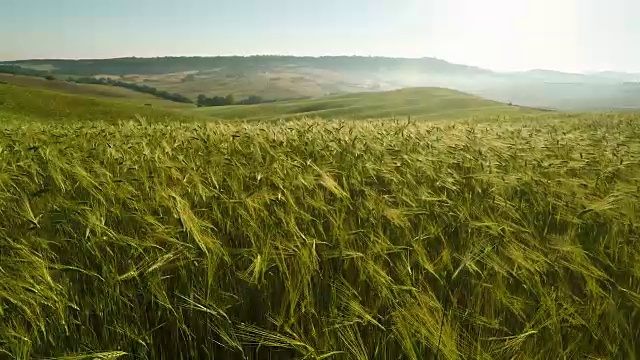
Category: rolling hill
<point>271,77</point>
<point>418,103</point>
<point>30,103</point>
<point>59,99</point>
<point>287,77</point>
<point>98,91</point>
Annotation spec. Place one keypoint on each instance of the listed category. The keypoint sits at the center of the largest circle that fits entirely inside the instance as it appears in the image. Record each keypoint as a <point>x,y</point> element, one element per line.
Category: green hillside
<point>112,93</point>
<point>59,99</point>
<point>419,103</point>
<point>29,104</point>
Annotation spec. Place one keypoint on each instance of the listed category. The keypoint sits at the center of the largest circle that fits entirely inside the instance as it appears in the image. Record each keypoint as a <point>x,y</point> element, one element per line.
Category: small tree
<point>49,77</point>
<point>230,100</point>
<point>217,101</point>
<point>252,100</point>
<point>202,100</point>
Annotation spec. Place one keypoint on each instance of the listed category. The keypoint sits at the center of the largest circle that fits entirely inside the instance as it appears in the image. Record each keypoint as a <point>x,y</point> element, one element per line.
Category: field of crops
<point>517,239</point>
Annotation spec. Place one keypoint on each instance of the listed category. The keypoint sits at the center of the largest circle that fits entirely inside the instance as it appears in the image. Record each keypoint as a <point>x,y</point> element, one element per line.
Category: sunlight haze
<point>567,35</point>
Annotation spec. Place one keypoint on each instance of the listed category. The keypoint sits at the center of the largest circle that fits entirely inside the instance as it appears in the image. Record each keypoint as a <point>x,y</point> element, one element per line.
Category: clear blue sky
<point>570,35</point>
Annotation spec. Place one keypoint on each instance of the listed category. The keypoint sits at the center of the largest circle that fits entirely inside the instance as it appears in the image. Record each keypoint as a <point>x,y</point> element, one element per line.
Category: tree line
<point>146,89</point>
<point>19,70</point>
<point>204,101</point>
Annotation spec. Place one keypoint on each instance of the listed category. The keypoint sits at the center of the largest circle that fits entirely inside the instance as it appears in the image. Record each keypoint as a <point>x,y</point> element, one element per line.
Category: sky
<point>502,35</point>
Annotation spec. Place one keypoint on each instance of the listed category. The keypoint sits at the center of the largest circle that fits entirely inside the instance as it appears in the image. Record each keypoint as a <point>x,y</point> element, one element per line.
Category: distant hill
<point>165,65</point>
<point>288,77</point>
<point>270,77</point>
<point>550,76</point>
<point>617,76</point>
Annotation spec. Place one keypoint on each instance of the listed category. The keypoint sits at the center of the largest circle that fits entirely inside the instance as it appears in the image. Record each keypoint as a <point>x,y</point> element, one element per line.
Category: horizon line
<point>575,72</point>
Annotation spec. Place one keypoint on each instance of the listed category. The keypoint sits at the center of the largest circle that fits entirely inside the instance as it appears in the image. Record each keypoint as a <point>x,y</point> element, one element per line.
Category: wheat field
<point>314,239</point>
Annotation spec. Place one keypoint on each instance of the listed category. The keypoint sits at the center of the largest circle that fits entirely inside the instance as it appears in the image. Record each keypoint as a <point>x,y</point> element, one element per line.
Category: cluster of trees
<point>203,100</point>
<point>19,70</point>
<point>135,87</point>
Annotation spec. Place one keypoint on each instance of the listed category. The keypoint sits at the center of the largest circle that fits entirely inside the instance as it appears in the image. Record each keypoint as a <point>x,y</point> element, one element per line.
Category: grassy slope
<point>358,240</point>
<point>419,103</point>
<point>112,93</point>
<point>28,104</point>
